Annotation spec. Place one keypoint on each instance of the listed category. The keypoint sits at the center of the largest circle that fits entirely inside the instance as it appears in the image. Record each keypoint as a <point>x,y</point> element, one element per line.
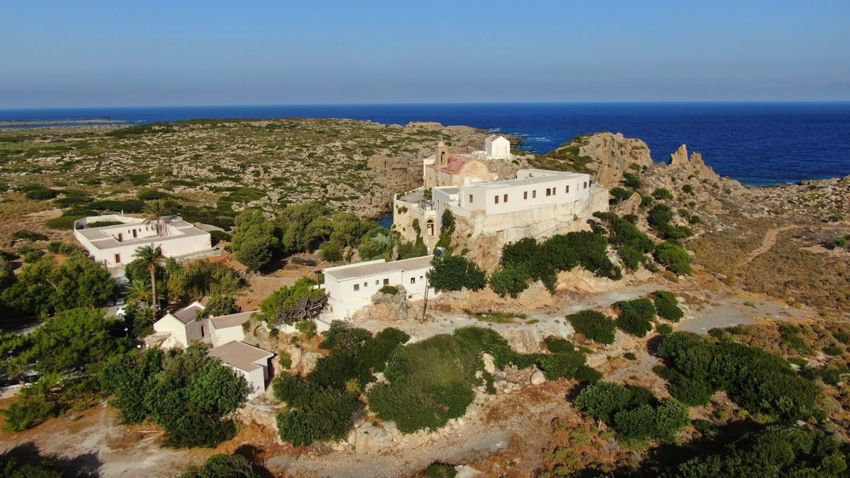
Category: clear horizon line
<point>271,105</point>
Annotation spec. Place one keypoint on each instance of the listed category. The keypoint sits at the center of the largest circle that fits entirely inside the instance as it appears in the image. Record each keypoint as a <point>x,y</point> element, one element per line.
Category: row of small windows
<point>386,282</point>
<point>549,192</point>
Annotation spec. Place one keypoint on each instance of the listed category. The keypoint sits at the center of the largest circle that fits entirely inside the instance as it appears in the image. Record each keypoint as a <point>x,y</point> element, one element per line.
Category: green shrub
<point>685,389</point>
<point>587,374</point>
<point>41,194</point>
<point>636,316</point>
<point>558,345</point>
<point>662,193</point>
<point>28,235</point>
<point>64,222</point>
<point>93,224</point>
<point>630,356</point>
<point>430,382</point>
<point>674,257</point>
<point>694,219</point>
<point>389,290</point>
<point>632,411</point>
<point>631,181</point>
<point>127,206</point>
<point>621,194</point>
<point>664,329</point>
<point>624,233</point>
<point>452,272</point>
<point>284,360</point>
<point>667,306</point>
<point>754,379</point>
<point>688,189</point>
<point>152,195</point>
<point>630,257</point>
<point>509,280</point>
<point>440,470</point>
<point>593,325</point>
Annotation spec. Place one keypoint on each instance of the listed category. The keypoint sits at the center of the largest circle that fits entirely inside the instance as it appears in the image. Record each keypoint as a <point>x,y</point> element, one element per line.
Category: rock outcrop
<point>612,155</point>
<point>695,165</point>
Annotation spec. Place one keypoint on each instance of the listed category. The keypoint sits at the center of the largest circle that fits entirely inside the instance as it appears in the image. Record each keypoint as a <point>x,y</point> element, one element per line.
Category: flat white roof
<point>372,268</point>
<point>545,177</point>
<point>101,238</point>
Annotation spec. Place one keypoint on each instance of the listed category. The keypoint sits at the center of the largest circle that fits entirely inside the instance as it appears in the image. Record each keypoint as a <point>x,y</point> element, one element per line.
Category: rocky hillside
<point>605,156</point>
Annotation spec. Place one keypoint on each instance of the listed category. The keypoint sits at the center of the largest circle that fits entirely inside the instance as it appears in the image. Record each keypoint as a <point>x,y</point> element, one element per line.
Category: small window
<point>413,280</point>
<point>421,277</point>
<point>386,282</point>
<point>585,185</point>
<point>356,287</point>
<point>365,284</point>
<point>377,282</point>
<point>470,198</point>
<point>548,191</point>
<point>117,258</point>
<point>497,199</point>
<point>506,198</point>
<point>554,191</point>
<point>525,195</point>
<point>568,188</point>
<point>533,194</point>
<point>203,332</point>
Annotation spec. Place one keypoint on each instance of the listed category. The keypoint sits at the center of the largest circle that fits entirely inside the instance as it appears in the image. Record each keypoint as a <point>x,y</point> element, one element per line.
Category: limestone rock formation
<point>612,155</point>
<point>695,165</point>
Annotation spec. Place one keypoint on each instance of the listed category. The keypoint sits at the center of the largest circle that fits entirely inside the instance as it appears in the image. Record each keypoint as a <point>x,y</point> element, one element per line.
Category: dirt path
<point>767,244</point>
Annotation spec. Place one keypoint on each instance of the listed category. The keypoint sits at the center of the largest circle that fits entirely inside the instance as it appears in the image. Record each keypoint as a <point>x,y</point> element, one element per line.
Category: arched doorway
<point>429,227</point>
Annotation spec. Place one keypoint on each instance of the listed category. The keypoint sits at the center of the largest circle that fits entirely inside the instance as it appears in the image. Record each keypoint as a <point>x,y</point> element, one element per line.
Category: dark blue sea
<point>755,143</point>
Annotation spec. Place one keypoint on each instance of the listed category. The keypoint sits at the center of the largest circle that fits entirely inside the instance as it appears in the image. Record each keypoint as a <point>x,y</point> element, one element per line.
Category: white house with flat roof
<point>249,361</point>
<point>351,287</point>
<point>116,245</point>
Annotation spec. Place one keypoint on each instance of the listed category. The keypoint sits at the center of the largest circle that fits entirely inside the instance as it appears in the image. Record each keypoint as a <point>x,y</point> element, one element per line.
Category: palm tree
<point>384,242</point>
<point>138,291</point>
<point>154,213</point>
<point>151,257</point>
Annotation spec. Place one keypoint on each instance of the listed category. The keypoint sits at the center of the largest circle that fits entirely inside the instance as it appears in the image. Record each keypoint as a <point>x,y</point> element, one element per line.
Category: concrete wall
<point>170,324</point>
<point>173,245</point>
<point>538,222</point>
<point>499,148</point>
<point>344,301</point>
<point>226,334</point>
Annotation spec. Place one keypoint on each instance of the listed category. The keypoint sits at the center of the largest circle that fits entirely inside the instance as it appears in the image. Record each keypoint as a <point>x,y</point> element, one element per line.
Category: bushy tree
<point>300,301</point>
<point>509,280</point>
<point>632,181</point>
<point>256,240</point>
<point>220,305</point>
<point>451,272</point>
<point>66,351</point>
<point>188,394</point>
<point>594,325</point>
<point>45,287</point>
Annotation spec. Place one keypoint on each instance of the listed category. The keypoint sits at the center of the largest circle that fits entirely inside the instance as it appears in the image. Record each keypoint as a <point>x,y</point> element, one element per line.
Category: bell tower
<point>442,155</point>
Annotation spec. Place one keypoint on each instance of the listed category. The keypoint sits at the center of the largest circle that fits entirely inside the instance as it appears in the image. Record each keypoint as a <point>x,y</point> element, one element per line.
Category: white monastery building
<point>225,333</point>
<point>116,245</point>
<point>537,203</point>
<point>351,287</point>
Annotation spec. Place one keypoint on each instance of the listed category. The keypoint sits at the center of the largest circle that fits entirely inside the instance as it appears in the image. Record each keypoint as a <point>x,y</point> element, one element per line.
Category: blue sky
<point>107,53</point>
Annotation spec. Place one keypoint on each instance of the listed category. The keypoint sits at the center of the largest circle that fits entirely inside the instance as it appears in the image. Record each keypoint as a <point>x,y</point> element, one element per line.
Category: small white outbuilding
<point>497,147</point>
<point>249,361</point>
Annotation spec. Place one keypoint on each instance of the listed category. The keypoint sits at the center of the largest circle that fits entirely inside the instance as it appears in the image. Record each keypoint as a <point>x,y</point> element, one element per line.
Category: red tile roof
<point>493,137</point>
<point>454,163</point>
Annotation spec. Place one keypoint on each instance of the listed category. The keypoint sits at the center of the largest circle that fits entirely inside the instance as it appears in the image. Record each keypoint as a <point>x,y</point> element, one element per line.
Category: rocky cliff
<point>605,156</point>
